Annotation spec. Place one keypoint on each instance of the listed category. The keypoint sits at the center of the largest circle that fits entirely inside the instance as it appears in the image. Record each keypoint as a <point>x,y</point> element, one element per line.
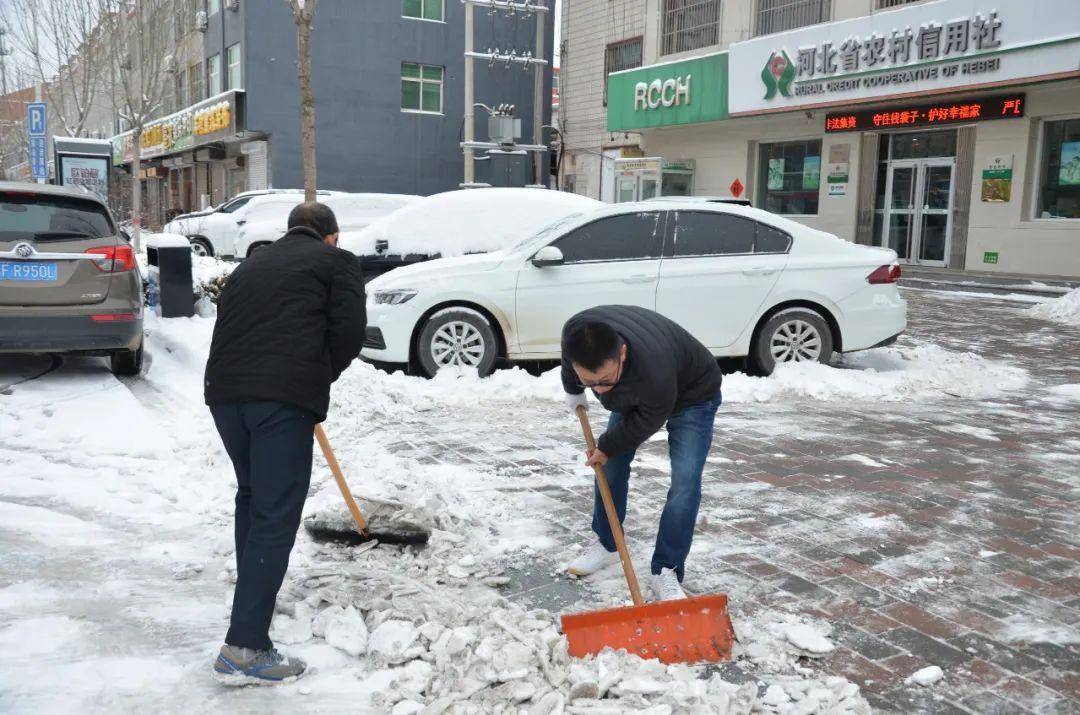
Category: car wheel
<point>201,246</point>
<point>256,246</point>
<point>457,337</point>
<point>792,335</point>
<point>126,362</point>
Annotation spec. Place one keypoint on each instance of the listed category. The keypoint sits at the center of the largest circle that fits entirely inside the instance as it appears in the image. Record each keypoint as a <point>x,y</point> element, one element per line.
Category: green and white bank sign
<point>673,93</point>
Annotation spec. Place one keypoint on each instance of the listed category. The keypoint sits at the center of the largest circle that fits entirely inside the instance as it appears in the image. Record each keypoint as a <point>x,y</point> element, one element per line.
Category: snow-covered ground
<point>117,555</point>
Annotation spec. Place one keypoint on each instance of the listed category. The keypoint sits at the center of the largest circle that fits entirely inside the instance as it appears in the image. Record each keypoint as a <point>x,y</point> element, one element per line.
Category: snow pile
<point>454,223</point>
<point>1021,628</point>
<point>926,676</point>
<point>1065,309</point>
<point>1065,392</point>
<point>891,374</point>
<point>450,644</point>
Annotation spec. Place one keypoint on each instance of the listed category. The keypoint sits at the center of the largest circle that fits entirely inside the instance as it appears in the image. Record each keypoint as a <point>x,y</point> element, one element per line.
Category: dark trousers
<point>270,447</point>
<point>690,434</point>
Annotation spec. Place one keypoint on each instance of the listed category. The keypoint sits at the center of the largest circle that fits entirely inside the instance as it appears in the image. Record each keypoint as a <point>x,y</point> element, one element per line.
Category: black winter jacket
<point>290,319</point>
<point>666,370</point>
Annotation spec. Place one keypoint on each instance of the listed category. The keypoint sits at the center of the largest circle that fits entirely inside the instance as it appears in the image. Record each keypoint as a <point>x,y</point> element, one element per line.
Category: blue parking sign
<point>39,158</point>
<point>36,119</point>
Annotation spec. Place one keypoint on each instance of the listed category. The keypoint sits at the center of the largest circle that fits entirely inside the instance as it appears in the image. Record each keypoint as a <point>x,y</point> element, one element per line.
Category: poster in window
<point>90,172</point>
<point>811,173</point>
<point>1069,173</point>
<point>776,174</point>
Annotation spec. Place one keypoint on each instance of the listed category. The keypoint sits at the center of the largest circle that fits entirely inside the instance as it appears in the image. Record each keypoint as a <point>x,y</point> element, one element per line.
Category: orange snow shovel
<point>688,630</point>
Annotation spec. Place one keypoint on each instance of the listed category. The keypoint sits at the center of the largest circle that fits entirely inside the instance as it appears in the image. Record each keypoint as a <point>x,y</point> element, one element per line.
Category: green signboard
<point>990,256</point>
<point>686,92</point>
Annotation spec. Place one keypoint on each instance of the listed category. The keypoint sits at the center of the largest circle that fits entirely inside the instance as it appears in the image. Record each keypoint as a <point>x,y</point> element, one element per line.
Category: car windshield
<point>33,216</point>
<point>547,230</point>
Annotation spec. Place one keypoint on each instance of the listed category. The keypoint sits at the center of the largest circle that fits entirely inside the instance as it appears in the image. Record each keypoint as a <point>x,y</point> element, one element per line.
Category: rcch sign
<point>683,92</point>
<point>914,50</point>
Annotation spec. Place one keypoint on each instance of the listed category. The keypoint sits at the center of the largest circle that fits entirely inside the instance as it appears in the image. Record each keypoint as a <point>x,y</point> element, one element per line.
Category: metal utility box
<point>168,259</point>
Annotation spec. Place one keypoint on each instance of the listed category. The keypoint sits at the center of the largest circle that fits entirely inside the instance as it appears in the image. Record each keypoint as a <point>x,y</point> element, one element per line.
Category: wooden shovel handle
<point>328,452</point>
<point>612,515</point>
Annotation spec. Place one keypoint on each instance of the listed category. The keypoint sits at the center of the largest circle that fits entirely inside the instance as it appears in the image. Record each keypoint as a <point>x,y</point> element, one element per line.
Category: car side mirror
<point>125,235</point>
<point>548,256</point>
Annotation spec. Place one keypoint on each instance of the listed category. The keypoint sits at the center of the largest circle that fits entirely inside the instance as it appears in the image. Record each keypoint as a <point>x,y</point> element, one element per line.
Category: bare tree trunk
<point>136,191</point>
<point>307,106</point>
<point>303,12</point>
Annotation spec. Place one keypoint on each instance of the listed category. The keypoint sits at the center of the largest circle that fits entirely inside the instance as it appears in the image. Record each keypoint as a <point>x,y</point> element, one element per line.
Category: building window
<point>233,56</point>
<point>789,175</point>
<point>421,88</point>
<point>195,83</point>
<point>781,15</point>
<point>1059,173</point>
<point>886,4</point>
<point>212,6</point>
<point>213,75</point>
<point>689,25</point>
<point>422,9</point>
<point>181,89</point>
<point>620,56</point>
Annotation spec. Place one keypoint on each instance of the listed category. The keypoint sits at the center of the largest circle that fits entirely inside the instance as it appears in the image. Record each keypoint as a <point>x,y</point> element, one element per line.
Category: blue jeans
<point>690,433</point>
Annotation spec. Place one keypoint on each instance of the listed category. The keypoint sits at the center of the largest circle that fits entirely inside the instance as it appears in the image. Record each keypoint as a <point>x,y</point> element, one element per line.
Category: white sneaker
<point>593,559</point>
<point>666,586</point>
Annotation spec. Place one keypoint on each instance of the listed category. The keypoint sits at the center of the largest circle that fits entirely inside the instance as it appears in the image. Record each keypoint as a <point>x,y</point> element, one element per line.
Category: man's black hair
<point>318,217</point>
<point>592,344</point>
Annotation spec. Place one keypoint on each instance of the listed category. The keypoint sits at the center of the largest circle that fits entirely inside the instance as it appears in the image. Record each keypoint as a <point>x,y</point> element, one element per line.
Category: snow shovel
<point>688,630</point>
<point>396,526</point>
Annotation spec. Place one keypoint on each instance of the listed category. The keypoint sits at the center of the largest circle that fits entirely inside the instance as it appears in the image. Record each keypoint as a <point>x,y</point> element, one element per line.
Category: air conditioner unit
<point>233,5</point>
<point>170,64</point>
<point>201,23</point>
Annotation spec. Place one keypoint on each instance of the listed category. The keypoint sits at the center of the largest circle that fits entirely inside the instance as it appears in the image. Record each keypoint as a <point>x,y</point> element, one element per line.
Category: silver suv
<point>68,278</point>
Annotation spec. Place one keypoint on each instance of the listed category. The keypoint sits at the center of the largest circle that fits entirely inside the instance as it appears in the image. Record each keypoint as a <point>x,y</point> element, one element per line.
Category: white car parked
<point>744,281</point>
<point>214,232</point>
<point>266,223</point>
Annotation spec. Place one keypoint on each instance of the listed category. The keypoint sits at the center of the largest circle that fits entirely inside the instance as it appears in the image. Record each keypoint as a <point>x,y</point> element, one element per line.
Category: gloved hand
<point>573,401</point>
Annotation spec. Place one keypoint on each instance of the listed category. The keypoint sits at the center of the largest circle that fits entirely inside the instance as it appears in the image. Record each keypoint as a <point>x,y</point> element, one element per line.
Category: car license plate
<point>27,271</point>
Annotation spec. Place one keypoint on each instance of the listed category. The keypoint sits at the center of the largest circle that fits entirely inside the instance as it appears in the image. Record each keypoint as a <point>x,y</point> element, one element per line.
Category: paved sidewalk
<point>940,532</point>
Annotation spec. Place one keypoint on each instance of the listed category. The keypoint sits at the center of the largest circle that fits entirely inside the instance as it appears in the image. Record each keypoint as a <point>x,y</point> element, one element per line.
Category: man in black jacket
<point>290,320</point>
<point>648,371</point>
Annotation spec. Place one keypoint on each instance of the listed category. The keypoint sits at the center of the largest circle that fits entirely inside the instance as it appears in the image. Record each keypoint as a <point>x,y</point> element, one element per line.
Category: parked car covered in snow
<point>266,224</point>
<point>744,281</point>
<point>456,223</point>
<point>214,232</point>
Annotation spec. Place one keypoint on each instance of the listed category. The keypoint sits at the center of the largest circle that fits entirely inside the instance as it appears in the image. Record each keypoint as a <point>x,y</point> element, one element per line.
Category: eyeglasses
<point>590,385</point>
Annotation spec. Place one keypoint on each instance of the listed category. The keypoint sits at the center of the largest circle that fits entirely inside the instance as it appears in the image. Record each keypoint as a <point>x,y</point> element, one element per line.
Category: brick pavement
<point>939,555</point>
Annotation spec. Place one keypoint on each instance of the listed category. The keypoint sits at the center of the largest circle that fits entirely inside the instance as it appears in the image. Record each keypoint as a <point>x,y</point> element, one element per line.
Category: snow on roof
<point>467,221</point>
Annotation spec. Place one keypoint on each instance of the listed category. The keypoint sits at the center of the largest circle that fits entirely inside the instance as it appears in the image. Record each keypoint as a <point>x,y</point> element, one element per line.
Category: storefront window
<point>213,6</point>
<point>923,145</point>
<point>789,176</point>
<point>676,183</point>
<point>1059,189</point>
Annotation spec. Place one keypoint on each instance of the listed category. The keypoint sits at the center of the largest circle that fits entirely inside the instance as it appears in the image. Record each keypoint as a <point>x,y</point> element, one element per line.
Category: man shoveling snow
<point>648,371</point>
<point>290,320</point>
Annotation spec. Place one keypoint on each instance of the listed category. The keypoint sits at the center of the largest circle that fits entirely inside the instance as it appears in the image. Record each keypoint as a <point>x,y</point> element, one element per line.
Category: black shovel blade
<point>352,537</point>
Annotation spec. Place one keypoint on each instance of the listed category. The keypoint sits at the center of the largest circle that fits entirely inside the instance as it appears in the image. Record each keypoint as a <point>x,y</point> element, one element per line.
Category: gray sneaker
<point>247,666</point>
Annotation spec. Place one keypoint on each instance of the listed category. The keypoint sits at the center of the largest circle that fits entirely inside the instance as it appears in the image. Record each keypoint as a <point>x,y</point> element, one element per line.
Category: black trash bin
<point>168,259</point>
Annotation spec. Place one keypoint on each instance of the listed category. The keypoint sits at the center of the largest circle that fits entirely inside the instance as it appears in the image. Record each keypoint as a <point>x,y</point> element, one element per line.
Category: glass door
<point>626,189</point>
<point>918,210</point>
<point>935,211</point>
<point>900,191</point>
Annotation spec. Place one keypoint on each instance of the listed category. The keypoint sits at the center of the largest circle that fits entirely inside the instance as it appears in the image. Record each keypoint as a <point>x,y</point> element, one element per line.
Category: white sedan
<point>744,281</point>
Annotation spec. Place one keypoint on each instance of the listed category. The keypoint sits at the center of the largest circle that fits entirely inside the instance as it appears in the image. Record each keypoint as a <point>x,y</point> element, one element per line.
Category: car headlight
<point>394,297</point>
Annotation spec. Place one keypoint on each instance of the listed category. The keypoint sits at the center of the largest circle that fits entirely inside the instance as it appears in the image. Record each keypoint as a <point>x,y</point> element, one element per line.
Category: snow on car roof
<point>467,221</point>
